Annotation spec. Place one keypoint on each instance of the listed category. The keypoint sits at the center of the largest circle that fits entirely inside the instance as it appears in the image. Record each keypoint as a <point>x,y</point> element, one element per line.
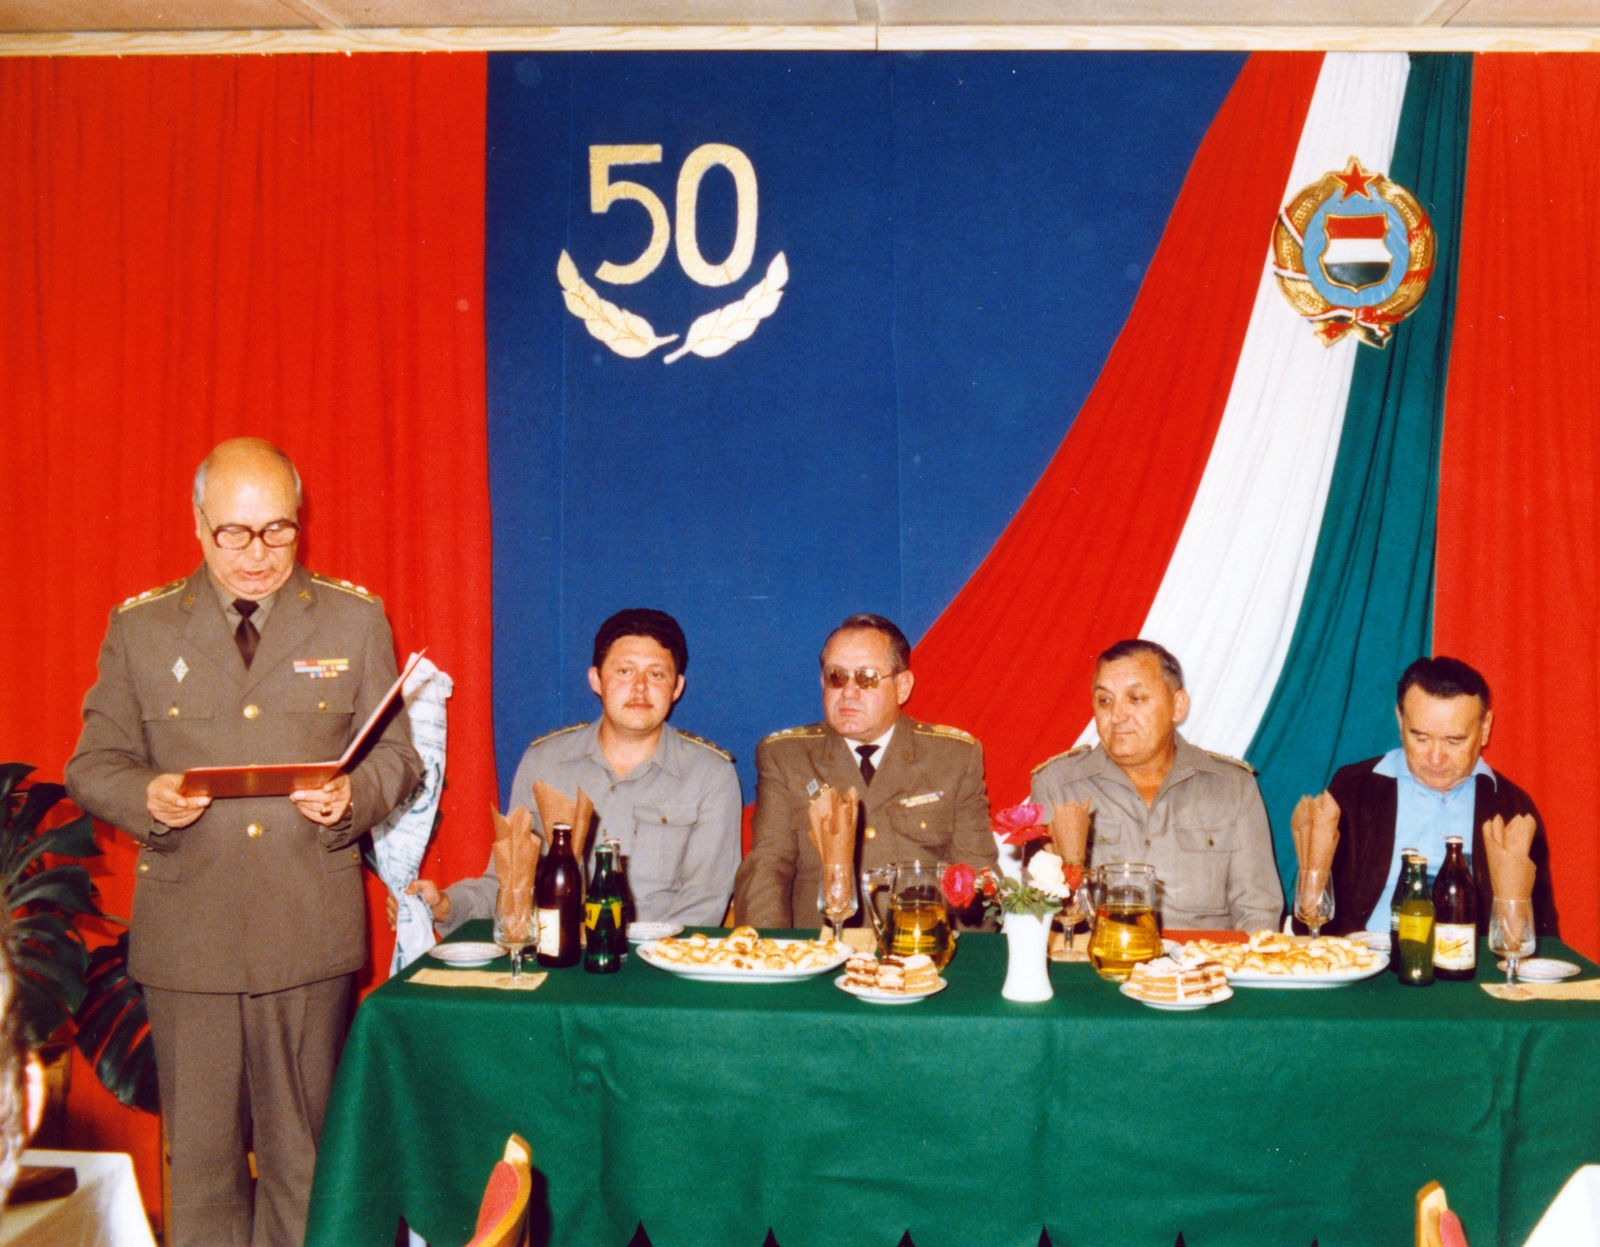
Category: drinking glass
<point>1313,899</point>
<point>514,931</point>
<point>1511,933</point>
<point>836,895</point>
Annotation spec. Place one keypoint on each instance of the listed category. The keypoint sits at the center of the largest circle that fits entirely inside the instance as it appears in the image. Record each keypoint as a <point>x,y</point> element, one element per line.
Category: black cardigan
<point>1367,806</point>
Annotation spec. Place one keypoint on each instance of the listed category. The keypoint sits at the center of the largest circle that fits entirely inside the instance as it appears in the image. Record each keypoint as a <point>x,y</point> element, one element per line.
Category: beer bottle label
<point>1414,928</point>
<point>550,932</point>
<point>593,909</point>
<point>1455,946</point>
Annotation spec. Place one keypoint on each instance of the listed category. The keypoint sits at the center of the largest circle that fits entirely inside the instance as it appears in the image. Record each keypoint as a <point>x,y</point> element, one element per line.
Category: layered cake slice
<point>1165,980</point>
<point>921,975</point>
<point>861,972</point>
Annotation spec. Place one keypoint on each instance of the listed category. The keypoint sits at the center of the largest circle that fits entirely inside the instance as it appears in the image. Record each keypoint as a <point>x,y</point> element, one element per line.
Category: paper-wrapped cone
<point>556,807</point>
<point>516,866</point>
<point>833,816</point>
<point>1315,828</point>
<point>1069,831</point>
<point>1508,845</point>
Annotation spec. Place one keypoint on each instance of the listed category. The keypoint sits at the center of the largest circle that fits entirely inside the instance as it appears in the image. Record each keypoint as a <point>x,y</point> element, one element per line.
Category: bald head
<point>245,486</point>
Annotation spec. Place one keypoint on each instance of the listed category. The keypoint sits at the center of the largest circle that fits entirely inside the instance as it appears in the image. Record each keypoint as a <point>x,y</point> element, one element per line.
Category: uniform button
<point>355,855</point>
<point>322,705</point>
<point>872,833</point>
<point>1210,843</point>
<point>172,712</point>
<point>663,818</point>
<point>144,868</point>
<point>923,825</point>
<point>254,830</point>
<point>250,712</point>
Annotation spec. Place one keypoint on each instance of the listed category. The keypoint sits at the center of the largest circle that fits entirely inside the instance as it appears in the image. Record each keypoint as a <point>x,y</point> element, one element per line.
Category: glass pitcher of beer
<point>908,912</point>
<point>1125,931</point>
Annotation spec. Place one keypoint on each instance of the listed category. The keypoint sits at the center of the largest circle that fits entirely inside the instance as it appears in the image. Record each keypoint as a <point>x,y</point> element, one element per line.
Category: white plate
<point>875,996</point>
<point>1338,978</point>
<point>1177,1006</point>
<point>1543,969</point>
<point>639,932</point>
<point>726,974</point>
<point>1377,941</point>
<point>466,954</point>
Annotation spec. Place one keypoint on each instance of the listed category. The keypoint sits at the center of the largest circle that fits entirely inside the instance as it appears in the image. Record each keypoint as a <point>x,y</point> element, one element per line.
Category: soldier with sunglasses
<point>921,784</point>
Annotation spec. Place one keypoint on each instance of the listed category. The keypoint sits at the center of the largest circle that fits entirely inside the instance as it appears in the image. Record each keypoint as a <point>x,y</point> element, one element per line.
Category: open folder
<point>280,779</point>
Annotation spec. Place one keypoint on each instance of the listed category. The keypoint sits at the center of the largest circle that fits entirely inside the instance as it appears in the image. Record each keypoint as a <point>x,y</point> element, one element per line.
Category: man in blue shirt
<point>1435,785</point>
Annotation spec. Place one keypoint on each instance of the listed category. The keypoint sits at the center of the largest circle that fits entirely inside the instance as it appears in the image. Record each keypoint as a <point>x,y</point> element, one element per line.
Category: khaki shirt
<point>676,815</point>
<point>1206,833</point>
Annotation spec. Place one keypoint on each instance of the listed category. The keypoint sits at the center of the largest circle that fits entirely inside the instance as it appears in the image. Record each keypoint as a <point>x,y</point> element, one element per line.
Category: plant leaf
<point>12,774</point>
<point>719,331</point>
<point>74,839</point>
<point>627,333</point>
<point>66,887</point>
<point>24,820</point>
<point>114,1029</point>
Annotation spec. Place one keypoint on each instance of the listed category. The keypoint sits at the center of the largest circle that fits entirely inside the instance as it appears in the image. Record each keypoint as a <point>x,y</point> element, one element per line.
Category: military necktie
<point>246,637</point>
<point>867,769</point>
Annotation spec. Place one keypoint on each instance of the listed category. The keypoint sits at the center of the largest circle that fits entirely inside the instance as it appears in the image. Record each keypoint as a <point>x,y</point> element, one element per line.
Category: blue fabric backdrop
<point>965,235</point>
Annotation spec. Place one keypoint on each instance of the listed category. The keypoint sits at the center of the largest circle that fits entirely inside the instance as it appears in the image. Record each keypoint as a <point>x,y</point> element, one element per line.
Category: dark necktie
<point>867,769</point>
<point>245,636</point>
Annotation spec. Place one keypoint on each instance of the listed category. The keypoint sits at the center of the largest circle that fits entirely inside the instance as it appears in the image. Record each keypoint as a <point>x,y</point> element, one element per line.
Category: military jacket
<point>1206,833</point>
<point>927,800</point>
<point>676,816</point>
<point>251,897</point>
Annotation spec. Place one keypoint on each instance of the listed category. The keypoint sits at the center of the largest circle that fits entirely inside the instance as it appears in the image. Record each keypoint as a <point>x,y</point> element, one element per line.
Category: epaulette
<point>328,582</point>
<point>940,729</point>
<point>811,731</point>
<point>560,731</point>
<point>1070,753</point>
<point>701,740</point>
<point>153,595</point>
<point>1239,762</point>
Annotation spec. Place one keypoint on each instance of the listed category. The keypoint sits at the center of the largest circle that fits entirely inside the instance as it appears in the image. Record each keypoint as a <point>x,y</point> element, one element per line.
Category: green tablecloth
<point>710,1112</point>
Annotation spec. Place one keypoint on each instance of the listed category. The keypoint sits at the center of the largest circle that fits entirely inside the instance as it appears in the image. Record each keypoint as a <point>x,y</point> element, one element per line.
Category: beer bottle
<point>558,895</point>
<point>1416,926</point>
<point>607,941</point>
<point>1455,916</point>
<point>1394,911</point>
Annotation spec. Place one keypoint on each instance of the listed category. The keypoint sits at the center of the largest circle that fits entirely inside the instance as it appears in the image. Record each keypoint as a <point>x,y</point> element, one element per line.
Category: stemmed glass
<point>513,931</point>
<point>836,895</point>
<point>1313,899</point>
<point>1511,933</point>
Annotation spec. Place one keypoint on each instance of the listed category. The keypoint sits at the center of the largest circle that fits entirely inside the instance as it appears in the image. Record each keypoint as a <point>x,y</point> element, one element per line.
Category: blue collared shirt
<point>1423,818</point>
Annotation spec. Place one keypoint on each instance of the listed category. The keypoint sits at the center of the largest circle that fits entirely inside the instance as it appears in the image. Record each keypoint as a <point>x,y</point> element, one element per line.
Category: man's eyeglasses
<point>865,677</point>
<point>274,536</point>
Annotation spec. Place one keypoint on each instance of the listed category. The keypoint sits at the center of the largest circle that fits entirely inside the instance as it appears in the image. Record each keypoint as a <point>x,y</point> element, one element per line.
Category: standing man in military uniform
<point>248,921</point>
<point>669,798</point>
<point>922,786</point>
<point>1197,817</point>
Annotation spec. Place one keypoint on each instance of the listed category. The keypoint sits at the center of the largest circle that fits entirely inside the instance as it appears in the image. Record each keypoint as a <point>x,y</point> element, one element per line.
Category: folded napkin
<point>1069,831</point>
<point>516,864</point>
<point>556,807</point>
<point>497,979</point>
<point>1315,828</point>
<point>833,816</point>
<point>1589,989</point>
<point>1507,845</point>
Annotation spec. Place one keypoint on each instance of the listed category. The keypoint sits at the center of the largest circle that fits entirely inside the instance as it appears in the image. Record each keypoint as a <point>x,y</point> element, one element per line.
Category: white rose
<point>1046,872</point>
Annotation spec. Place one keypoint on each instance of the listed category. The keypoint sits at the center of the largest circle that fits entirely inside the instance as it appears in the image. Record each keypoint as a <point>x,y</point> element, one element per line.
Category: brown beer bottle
<point>1455,916</point>
<point>558,897</point>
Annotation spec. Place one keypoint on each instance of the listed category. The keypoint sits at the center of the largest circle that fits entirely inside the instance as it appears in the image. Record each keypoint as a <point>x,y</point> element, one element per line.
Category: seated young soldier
<point>1197,817</point>
<point>670,799</point>
<point>1436,784</point>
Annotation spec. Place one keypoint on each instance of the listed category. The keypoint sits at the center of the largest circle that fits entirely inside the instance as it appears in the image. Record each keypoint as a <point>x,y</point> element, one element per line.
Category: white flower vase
<point>1028,958</point>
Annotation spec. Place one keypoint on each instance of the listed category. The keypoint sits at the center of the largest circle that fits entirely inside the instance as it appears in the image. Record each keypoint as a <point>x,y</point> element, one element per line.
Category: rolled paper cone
<point>1069,831</point>
<point>819,815</point>
<point>1519,834</point>
<point>1300,829</point>
<point>582,817</point>
<point>1324,844</point>
<point>839,843</point>
<point>555,807</point>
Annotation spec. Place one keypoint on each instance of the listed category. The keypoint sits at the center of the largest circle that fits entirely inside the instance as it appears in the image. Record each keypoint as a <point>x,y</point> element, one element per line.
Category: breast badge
<point>1353,253</point>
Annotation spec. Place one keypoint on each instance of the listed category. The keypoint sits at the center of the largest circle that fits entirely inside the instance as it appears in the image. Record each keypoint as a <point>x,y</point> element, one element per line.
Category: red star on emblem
<point>1354,179</point>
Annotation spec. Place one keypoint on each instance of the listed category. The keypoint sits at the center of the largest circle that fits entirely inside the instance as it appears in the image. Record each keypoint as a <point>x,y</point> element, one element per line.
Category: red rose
<point>958,884</point>
<point>1074,875</point>
<point>988,883</point>
<point>1021,824</point>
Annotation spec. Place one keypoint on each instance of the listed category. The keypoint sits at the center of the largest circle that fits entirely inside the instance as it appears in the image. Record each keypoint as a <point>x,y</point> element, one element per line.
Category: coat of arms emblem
<point>1353,253</point>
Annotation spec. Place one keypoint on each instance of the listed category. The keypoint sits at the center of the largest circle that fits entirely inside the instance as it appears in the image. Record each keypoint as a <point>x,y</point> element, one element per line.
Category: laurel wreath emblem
<point>632,336</point>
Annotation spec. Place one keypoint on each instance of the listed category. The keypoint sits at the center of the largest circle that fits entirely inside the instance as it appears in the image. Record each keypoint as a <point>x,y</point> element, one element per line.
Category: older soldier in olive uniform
<point>670,799</point>
<point>248,920</point>
<point>922,784</point>
<point>1197,817</point>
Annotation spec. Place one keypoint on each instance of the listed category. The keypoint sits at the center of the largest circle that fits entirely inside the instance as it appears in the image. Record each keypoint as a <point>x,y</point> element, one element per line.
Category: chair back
<point>503,1214</point>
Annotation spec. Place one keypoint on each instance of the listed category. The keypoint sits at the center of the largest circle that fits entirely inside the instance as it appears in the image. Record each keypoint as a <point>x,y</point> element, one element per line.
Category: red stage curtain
<point>192,249</point>
<point>1519,521</point>
<point>1012,657</point>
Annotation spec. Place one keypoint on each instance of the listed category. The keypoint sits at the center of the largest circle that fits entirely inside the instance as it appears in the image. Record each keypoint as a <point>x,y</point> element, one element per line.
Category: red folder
<point>280,779</point>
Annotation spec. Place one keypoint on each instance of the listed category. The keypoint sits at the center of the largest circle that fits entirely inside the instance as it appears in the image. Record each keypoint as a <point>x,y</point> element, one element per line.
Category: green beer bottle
<point>1394,911</point>
<point>607,938</point>
<point>1416,926</point>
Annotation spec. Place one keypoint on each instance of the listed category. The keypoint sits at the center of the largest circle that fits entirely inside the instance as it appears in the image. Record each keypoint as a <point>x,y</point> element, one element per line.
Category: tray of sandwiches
<point>1272,959</point>
<point>1179,983</point>
<point>744,956</point>
<point>890,980</point>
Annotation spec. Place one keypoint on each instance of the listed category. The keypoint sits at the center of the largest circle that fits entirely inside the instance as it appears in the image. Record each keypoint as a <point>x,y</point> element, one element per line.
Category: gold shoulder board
<point>344,586</point>
<point>941,729</point>
<point>1074,752</point>
<point>701,740</point>
<point>1239,762</point>
<point>560,731</point>
<point>153,595</point>
<point>809,732</point>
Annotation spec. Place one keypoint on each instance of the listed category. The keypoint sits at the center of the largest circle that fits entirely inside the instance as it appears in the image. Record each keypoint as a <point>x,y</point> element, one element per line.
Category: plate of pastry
<point>890,980</point>
<point>1272,959</point>
<point>743,956</point>
<point>1179,986</point>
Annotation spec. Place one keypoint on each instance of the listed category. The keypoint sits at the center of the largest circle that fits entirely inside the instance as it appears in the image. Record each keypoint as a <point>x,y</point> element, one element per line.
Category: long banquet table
<point>711,1112</point>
